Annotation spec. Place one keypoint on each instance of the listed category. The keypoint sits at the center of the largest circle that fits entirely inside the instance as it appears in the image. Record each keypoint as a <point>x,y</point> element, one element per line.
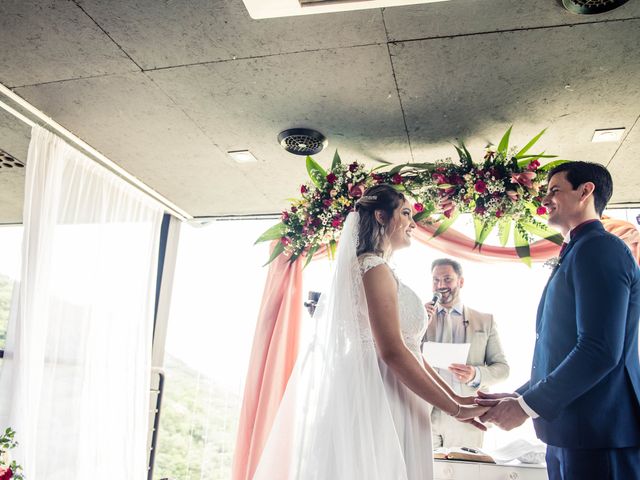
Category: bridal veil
<point>334,421</point>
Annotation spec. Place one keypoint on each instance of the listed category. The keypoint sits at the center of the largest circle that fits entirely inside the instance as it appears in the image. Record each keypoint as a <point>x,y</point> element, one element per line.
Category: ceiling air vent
<point>287,8</point>
<point>302,141</point>
<point>588,7</point>
<point>8,161</point>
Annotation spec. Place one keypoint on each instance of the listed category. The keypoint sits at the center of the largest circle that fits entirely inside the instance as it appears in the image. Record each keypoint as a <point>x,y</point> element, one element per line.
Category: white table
<point>456,470</point>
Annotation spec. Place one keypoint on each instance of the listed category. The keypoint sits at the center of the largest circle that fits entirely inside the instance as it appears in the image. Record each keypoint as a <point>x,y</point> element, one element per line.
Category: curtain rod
<point>87,149</point>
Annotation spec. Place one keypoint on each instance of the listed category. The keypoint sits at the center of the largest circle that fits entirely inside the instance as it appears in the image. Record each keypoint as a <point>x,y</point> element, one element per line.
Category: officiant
<point>450,321</point>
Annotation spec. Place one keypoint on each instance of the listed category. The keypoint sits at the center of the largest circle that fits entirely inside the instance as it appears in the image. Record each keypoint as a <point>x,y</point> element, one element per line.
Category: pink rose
<point>397,179</point>
<point>418,207</point>
<point>541,210</point>
<point>480,186</point>
<point>533,165</point>
<point>331,178</point>
<point>303,189</point>
<point>356,191</point>
<point>284,240</point>
<point>499,213</point>
<point>525,178</point>
<point>285,216</point>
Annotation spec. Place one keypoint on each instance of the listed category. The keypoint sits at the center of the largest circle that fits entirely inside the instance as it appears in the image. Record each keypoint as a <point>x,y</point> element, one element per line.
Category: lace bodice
<point>413,318</point>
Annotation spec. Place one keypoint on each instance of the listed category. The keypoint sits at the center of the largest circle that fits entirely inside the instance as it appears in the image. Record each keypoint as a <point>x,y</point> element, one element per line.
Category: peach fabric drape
<point>275,344</point>
<point>273,355</point>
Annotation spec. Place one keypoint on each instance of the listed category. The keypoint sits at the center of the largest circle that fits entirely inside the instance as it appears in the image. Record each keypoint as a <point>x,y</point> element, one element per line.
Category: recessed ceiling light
<point>242,156</point>
<point>607,135</point>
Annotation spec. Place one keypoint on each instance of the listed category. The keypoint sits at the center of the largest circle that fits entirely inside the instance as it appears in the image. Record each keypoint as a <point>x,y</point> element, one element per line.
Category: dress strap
<point>369,261</point>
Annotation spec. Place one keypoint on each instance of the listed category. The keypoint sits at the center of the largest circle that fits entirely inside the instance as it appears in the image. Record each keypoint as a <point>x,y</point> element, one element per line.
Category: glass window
<point>218,287</point>
<point>10,264</point>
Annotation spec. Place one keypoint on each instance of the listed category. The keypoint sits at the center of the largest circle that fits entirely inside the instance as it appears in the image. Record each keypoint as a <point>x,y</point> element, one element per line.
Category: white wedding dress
<point>344,414</point>
<point>411,414</point>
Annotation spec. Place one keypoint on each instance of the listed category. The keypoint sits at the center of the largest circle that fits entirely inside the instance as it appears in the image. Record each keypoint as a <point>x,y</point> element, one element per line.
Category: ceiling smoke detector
<point>302,141</point>
<point>589,7</point>
<point>8,161</point>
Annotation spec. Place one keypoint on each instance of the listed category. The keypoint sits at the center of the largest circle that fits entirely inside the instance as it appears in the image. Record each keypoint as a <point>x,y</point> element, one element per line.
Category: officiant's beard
<point>449,295</point>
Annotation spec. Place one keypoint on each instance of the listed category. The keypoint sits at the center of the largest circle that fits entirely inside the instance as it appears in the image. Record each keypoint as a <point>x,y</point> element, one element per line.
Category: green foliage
<point>197,426</point>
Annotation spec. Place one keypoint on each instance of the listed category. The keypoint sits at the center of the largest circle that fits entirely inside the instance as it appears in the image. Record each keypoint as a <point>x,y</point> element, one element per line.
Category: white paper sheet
<point>441,355</point>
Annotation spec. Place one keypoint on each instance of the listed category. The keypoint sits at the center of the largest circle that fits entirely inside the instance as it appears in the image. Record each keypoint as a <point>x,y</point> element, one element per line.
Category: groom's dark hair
<point>583,172</point>
<point>439,262</point>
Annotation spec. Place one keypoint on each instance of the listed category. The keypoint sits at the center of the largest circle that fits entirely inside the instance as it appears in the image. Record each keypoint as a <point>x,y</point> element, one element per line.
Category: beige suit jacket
<point>485,352</point>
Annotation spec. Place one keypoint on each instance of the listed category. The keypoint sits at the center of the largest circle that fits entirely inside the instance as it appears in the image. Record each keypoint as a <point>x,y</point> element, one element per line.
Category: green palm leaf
<point>275,232</point>
<point>531,143</point>
<point>543,231</point>
<point>503,146</point>
<point>445,224</point>
<point>522,245</point>
<point>316,172</point>
<point>277,250</point>
<point>336,161</point>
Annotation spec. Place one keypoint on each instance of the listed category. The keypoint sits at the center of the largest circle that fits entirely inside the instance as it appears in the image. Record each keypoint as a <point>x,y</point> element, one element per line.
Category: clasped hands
<point>501,409</point>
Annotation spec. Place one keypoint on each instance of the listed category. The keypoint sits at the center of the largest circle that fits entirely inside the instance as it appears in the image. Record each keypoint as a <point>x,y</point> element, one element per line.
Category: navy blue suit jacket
<point>585,375</point>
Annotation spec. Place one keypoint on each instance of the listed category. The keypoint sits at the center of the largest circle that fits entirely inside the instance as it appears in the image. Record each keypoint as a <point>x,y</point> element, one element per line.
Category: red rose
<point>541,210</point>
<point>533,165</point>
<point>480,210</point>
<point>418,207</point>
<point>480,186</point>
<point>6,473</point>
<point>457,179</point>
<point>353,167</point>
<point>284,240</point>
<point>303,189</point>
<point>327,202</point>
<point>397,179</point>
<point>439,178</point>
<point>294,209</point>
<point>336,222</point>
<point>331,178</point>
<point>499,213</point>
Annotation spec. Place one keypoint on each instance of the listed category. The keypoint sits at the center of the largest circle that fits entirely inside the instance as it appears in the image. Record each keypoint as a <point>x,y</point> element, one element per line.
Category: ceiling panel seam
<point>257,57</point>
<point>395,82</point>
<point>64,80</point>
<point>622,141</point>
<point>511,30</point>
<point>107,34</point>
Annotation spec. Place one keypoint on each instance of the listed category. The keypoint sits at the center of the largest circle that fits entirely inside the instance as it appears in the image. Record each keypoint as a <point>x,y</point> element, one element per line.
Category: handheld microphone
<point>437,296</point>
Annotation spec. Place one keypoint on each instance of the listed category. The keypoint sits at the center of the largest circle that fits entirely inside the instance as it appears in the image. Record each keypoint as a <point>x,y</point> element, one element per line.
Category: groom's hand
<point>505,411</point>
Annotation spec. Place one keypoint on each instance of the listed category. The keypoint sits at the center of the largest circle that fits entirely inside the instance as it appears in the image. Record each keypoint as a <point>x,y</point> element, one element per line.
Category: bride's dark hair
<point>379,197</point>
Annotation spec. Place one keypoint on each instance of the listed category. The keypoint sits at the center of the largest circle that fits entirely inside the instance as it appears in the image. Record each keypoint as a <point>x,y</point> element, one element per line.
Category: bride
<point>357,403</point>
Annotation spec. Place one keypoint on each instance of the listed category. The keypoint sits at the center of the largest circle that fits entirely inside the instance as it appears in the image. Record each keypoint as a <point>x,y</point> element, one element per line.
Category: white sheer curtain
<point>75,378</point>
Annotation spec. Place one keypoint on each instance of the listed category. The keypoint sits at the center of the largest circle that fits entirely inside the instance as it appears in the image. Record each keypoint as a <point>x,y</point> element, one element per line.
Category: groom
<point>584,390</point>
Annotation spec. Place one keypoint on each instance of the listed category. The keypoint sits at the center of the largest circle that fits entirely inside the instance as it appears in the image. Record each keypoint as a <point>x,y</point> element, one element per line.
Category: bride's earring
<point>382,231</point>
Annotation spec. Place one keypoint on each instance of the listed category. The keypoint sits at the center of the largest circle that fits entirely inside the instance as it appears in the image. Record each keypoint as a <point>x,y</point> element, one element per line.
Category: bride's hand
<point>469,413</point>
<point>465,400</point>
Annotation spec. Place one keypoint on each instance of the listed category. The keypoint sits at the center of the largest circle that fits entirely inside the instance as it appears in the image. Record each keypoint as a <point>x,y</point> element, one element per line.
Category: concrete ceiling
<point>166,88</point>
